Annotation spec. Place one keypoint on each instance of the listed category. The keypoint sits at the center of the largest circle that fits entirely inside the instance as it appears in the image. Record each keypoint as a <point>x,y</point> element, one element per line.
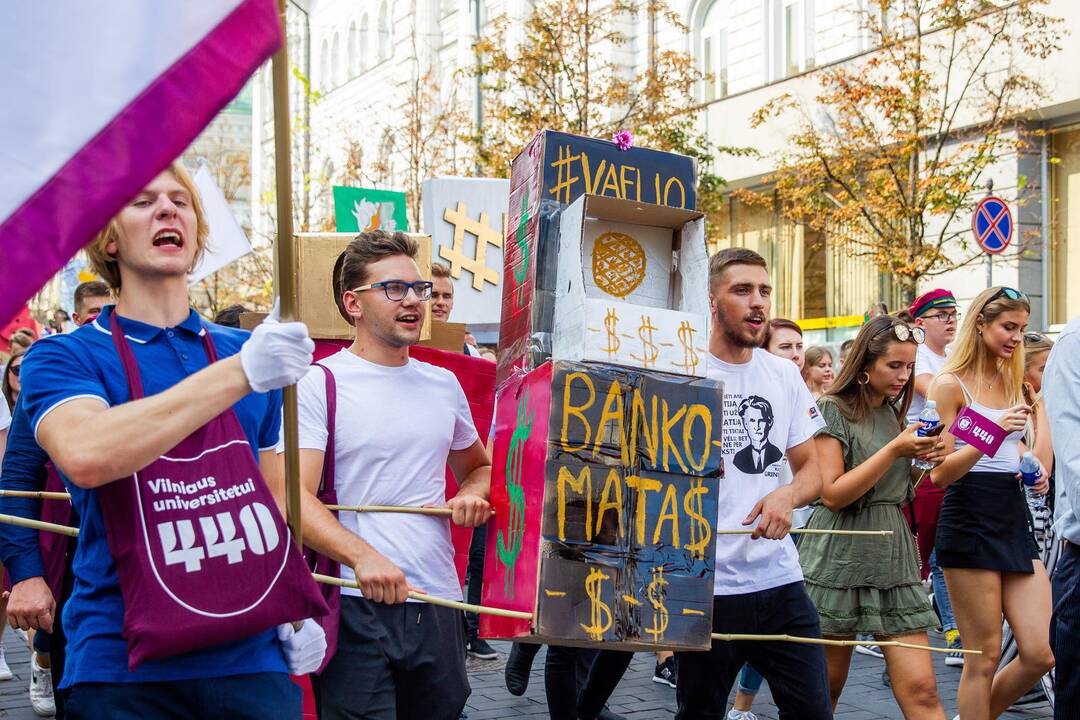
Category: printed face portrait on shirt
<point>757,418</point>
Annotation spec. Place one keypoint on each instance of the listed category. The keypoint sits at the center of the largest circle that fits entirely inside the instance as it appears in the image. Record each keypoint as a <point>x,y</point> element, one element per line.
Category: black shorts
<point>392,662</point>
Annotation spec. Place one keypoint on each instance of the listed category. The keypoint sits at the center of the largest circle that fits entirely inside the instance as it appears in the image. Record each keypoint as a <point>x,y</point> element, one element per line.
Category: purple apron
<point>201,551</point>
<point>54,546</point>
<point>328,496</point>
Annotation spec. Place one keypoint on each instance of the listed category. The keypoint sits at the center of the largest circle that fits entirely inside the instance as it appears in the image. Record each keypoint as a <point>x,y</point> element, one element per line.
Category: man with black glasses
<point>383,427</point>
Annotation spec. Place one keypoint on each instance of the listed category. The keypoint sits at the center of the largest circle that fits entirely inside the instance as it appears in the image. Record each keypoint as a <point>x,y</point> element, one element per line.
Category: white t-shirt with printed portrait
<point>767,409</point>
<point>394,428</point>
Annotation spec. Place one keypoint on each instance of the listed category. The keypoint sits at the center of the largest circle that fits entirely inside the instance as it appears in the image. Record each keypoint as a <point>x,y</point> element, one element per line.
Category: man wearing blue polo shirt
<point>78,380</point>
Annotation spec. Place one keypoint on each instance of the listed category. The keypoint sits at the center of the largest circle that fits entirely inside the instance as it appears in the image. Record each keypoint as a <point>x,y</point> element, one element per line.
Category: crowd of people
<point>830,446</point>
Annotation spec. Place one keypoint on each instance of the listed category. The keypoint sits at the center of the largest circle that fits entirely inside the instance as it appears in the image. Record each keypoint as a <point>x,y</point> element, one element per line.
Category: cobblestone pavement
<point>636,698</point>
<point>639,698</point>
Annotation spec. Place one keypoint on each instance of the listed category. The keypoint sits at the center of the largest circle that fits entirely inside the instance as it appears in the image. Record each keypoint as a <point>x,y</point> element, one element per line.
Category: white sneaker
<point>5,671</point>
<point>734,714</point>
<point>41,692</point>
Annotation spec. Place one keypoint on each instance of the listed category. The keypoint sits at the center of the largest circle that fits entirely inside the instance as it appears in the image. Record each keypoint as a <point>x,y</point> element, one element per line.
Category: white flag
<point>227,242</point>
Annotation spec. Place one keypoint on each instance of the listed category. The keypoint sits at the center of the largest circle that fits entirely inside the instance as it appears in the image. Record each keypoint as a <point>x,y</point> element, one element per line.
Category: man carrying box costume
<point>397,423</point>
<point>758,582</point>
<point>183,560</point>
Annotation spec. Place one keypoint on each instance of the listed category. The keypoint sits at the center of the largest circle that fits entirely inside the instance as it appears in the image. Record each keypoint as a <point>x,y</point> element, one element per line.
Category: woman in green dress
<point>872,584</point>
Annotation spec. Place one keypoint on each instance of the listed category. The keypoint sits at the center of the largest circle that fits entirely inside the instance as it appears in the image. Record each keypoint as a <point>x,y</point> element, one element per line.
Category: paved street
<point>637,697</point>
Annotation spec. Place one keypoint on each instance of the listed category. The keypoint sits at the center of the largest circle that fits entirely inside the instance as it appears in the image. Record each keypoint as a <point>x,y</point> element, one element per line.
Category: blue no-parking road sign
<point>992,224</point>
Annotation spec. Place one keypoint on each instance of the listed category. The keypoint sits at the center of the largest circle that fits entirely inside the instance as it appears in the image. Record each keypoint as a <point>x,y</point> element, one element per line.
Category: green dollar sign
<point>522,268</point>
<point>509,545</point>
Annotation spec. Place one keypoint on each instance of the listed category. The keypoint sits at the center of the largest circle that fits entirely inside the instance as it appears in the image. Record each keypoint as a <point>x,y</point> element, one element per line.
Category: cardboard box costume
<point>606,461</point>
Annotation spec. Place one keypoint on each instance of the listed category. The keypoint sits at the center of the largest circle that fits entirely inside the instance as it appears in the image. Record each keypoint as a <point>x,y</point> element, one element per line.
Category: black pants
<point>256,696</point>
<point>578,681</point>
<point>1065,633</point>
<point>796,673</point>
<point>474,577</point>
<point>394,662</point>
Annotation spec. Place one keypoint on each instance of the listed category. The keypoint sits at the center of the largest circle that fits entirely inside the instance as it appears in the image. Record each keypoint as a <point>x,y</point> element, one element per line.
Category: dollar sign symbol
<point>612,339</point>
<point>686,339</point>
<point>522,267</point>
<point>656,594</point>
<point>649,351</point>
<point>700,532</point>
<point>509,545</point>
<point>593,586</point>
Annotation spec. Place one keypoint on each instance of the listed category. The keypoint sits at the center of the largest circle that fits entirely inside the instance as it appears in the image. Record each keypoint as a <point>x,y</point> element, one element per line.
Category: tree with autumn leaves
<point>889,157</point>
<point>562,68</point>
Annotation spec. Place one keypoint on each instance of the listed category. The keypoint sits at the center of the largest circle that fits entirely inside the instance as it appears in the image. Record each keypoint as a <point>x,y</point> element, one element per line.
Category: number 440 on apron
<point>201,551</point>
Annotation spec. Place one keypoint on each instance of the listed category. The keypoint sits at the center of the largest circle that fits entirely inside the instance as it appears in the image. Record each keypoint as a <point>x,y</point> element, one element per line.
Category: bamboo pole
<point>500,612</point>
<point>454,604</point>
<point>811,531</point>
<point>36,494</point>
<point>39,525</point>
<point>434,511</point>
<point>285,264</point>
<point>732,637</point>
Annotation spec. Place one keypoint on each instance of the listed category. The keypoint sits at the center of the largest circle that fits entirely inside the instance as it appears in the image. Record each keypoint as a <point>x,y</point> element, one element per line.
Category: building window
<point>1063,152</point>
<point>812,277</point>
<point>714,50</point>
<point>324,66</point>
<point>364,44</point>
<point>791,24</point>
<point>384,32</point>
<point>354,61</point>
<point>335,62</point>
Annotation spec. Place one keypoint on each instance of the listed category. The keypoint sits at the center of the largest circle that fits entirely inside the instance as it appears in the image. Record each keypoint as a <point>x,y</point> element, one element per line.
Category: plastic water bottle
<point>1029,470</point>
<point>929,418</point>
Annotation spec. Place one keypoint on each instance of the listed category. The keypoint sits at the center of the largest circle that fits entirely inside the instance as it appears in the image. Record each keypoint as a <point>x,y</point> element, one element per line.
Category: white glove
<point>277,354</point>
<point>305,648</point>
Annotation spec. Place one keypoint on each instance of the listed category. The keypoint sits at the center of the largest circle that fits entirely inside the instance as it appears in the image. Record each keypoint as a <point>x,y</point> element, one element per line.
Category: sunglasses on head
<point>1010,293</point>
<point>1034,337</point>
<point>905,332</point>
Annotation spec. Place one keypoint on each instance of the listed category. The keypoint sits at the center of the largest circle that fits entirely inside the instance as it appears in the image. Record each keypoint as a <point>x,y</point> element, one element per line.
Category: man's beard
<point>738,339</point>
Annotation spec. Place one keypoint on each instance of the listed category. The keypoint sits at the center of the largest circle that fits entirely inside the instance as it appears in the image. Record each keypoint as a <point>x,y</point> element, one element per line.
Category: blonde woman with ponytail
<point>984,538</point>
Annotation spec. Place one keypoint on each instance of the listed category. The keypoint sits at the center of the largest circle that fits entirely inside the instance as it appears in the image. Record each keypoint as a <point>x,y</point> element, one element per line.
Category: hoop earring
<point>861,381</point>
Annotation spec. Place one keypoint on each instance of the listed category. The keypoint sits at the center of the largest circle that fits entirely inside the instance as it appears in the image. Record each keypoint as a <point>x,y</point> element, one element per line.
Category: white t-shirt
<point>5,415</point>
<point>927,362</point>
<point>395,427</point>
<point>770,385</point>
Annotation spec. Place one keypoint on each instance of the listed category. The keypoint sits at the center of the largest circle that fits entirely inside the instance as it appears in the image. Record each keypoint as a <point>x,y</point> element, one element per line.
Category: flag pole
<point>285,263</point>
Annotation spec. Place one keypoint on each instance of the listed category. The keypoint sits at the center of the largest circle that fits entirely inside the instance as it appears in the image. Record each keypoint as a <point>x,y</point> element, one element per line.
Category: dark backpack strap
<point>326,484</point>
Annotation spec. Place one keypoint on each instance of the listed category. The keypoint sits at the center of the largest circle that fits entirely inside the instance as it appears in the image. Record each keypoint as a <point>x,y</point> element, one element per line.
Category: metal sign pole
<point>285,262</point>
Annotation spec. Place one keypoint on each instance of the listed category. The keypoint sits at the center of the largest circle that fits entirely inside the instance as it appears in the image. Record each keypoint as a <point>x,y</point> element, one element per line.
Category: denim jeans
<point>1065,633</point>
<point>941,595</point>
<point>750,680</point>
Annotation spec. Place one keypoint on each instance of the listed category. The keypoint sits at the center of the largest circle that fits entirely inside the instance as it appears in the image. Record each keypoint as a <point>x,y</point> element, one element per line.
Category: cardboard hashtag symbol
<point>455,254</point>
<point>565,178</point>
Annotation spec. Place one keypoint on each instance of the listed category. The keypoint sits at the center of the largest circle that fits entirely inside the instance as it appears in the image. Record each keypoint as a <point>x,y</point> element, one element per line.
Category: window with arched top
<point>384,31</point>
<point>365,43</point>
<point>714,49</point>
<point>790,37</point>
<point>354,65</point>
<point>335,62</point>
<point>324,66</point>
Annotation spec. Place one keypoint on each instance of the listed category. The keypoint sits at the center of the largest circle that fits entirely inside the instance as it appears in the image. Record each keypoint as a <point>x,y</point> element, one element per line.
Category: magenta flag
<point>978,431</point>
<point>98,99</point>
